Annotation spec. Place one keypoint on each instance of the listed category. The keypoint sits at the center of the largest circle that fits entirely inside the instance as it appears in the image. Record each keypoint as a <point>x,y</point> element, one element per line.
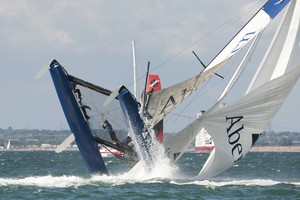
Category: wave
<point>45,181</point>
<point>73,181</point>
<point>76,181</point>
<point>220,183</point>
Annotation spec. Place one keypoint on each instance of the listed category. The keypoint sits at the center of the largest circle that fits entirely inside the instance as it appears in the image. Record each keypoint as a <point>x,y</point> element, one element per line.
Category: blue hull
<point>141,136</point>
<point>88,147</point>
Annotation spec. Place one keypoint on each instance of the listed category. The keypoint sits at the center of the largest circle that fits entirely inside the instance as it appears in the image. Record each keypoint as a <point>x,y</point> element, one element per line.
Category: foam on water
<point>220,183</point>
<point>163,168</point>
<point>162,171</point>
<point>46,181</point>
<point>75,181</point>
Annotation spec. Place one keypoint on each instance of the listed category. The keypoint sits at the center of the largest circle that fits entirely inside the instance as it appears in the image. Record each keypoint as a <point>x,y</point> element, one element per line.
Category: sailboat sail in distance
<point>8,145</point>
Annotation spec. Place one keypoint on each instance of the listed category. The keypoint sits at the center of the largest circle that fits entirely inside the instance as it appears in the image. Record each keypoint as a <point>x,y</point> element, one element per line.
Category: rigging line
<point>231,66</point>
<point>208,35</point>
<point>192,100</point>
<point>197,95</point>
<point>179,115</point>
<point>90,100</point>
<point>246,11</point>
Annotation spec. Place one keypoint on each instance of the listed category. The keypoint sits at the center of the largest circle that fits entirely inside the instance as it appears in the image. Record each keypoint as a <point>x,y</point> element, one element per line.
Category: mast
<point>134,69</point>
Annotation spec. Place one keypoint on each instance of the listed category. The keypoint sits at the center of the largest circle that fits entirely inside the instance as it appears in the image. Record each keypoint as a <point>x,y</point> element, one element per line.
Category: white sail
<point>236,127</point>
<point>176,145</point>
<point>164,101</point>
<point>8,145</point>
<point>171,97</point>
<point>280,48</point>
<point>240,68</point>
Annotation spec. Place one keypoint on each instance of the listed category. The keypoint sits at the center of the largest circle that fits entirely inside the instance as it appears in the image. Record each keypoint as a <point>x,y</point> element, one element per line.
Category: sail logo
<point>233,133</point>
<point>279,2</point>
<point>171,102</point>
<point>243,41</point>
<point>147,138</point>
<point>153,83</point>
<point>145,144</point>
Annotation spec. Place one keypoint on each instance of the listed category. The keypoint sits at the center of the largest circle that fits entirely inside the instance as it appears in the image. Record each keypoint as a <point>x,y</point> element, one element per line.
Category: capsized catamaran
<point>236,126</point>
<point>84,120</point>
<point>87,116</point>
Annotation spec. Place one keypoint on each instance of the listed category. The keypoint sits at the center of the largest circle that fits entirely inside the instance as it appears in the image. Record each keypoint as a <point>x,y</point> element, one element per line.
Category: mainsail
<point>164,101</point>
<point>236,127</point>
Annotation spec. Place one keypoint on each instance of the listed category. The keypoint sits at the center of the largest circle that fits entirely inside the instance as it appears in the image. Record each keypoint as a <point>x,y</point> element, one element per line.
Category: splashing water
<point>163,168</point>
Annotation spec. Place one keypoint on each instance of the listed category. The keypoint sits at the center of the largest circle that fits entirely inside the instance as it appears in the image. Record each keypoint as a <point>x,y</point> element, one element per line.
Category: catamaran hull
<point>141,136</point>
<point>88,147</point>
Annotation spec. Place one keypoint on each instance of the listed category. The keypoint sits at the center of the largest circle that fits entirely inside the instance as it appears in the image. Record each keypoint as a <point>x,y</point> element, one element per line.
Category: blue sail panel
<point>273,7</point>
<point>88,147</point>
<point>140,134</point>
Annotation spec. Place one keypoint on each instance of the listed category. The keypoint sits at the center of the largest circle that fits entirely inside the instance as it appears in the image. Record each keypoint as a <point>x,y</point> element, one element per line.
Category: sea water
<point>47,175</point>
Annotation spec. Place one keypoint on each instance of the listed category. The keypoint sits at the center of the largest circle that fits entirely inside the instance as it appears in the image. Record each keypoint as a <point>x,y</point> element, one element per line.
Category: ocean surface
<point>47,175</point>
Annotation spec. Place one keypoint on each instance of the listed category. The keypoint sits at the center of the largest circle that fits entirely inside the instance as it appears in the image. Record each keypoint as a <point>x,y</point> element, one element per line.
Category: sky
<point>92,40</point>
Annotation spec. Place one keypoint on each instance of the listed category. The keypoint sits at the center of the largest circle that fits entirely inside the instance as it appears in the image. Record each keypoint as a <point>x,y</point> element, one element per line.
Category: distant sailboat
<point>8,145</point>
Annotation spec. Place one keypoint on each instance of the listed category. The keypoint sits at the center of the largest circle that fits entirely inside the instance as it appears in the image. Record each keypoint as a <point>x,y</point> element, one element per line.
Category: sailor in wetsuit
<point>125,144</point>
<point>107,126</point>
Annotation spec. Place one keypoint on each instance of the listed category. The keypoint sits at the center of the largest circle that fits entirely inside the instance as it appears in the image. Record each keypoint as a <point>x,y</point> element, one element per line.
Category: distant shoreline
<point>254,149</point>
<point>275,149</point>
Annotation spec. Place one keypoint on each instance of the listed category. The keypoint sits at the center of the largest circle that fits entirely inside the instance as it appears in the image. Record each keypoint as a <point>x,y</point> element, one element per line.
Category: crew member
<point>107,126</point>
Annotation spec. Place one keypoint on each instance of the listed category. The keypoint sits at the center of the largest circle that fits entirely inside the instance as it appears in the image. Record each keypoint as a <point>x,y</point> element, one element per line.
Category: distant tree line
<point>31,137</point>
<point>285,138</point>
